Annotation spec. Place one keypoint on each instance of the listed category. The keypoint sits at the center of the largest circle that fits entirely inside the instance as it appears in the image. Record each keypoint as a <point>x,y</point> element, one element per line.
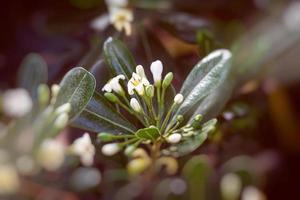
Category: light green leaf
<point>100,116</point>
<point>32,73</point>
<point>150,133</point>
<point>118,58</point>
<point>209,73</point>
<point>77,88</point>
<point>190,144</point>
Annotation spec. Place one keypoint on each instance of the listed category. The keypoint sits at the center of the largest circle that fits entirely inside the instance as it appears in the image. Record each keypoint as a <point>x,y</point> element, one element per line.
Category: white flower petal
<point>156,69</point>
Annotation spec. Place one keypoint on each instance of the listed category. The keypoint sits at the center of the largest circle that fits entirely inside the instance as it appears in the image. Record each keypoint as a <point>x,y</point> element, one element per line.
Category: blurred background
<point>261,120</point>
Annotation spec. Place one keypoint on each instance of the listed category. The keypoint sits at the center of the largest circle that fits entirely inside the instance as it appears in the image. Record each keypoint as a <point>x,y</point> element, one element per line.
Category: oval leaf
<point>151,133</point>
<point>100,116</point>
<point>118,58</point>
<point>32,73</point>
<point>203,79</point>
<point>77,88</point>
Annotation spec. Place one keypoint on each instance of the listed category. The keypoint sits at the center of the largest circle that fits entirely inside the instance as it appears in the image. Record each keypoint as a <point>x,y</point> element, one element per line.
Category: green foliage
<point>100,116</point>
<point>151,133</point>
<point>76,88</point>
<point>32,73</point>
<point>118,58</point>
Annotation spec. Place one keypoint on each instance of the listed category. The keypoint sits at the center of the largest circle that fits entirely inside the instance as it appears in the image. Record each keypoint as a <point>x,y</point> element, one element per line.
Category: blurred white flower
<point>16,102</point>
<point>231,186</point>
<point>84,148</point>
<point>9,179</point>
<point>118,3</point>
<point>51,154</point>
<point>100,23</point>
<point>26,165</point>
<point>138,81</point>
<point>178,99</point>
<point>121,18</point>
<point>114,85</point>
<point>174,138</point>
<point>61,121</point>
<point>156,69</point>
<point>110,149</point>
<point>252,193</point>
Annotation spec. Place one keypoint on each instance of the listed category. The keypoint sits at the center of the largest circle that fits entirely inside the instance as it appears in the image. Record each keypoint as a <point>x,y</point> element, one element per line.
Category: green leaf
<point>77,88</point>
<point>197,171</point>
<point>100,116</point>
<point>206,76</point>
<point>32,73</point>
<point>150,133</point>
<point>118,58</point>
<point>190,144</point>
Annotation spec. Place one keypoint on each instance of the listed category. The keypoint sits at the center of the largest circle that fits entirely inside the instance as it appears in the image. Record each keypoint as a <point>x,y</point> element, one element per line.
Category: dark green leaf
<point>151,133</point>
<point>77,88</point>
<point>190,144</point>
<point>32,73</point>
<point>118,58</point>
<point>206,76</point>
<point>100,116</point>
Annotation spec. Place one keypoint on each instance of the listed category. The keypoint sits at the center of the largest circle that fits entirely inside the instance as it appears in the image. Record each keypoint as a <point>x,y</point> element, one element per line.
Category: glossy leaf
<point>118,58</point>
<point>32,73</point>
<point>151,133</point>
<point>77,88</point>
<point>206,76</point>
<point>190,144</point>
<point>100,116</point>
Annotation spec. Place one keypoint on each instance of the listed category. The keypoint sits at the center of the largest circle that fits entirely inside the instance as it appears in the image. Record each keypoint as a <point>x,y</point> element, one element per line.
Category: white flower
<point>135,105</point>
<point>156,69</point>
<point>252,193</point>
<point>138,81</point>
<point>121,18</point>
<point>110,149</point>
<point>231,186</point>
<point>9,179</point>
<point>51,154</point>
<point>174,138</point>
<point>178,99</point>
<point>114,85</point>
<point>119,3</point>
<point>84,148</point>
<point>16,102</point>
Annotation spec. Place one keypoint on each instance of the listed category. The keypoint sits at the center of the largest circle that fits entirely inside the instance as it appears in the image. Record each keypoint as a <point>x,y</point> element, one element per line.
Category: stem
<point>145,123</point>
<point>167,118</point>
<point>129,141</point>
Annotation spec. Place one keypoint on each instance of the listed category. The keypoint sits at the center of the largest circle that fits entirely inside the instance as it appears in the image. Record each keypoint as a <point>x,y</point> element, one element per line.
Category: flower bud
<point>178,99</point>
<point>174,138</point>
<point>111,97</point>
<point>65,108</point>
<point>137,166</point>
<point>61,121</point>
<point>196,123</point>
<point>167,80</point>
<point>110,149</point>
<point>129,150</point>
<point>230,186</point>
<point>156,69</point>
<point>43,94</point>
<point>150,91</point>
<point>55,89</point>
<point>106,137</point>
<point>135,105</point>
<point>179,118</point>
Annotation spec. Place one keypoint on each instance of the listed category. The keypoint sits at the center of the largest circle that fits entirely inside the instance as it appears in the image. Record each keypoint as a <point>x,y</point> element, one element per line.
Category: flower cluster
<point>146,101</point>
